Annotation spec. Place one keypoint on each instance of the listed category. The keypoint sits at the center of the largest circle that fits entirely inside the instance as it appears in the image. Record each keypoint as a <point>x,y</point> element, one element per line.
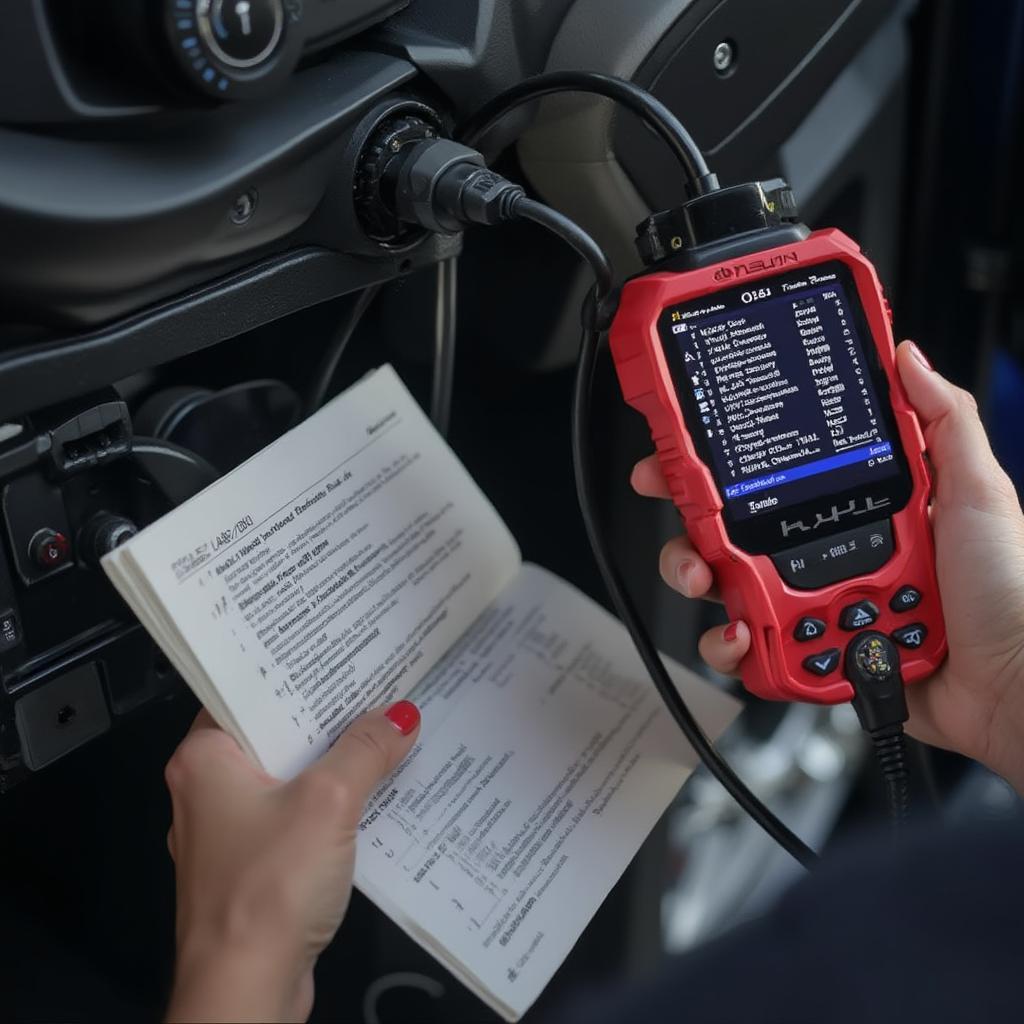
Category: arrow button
<point>858,616</point>
<point>824,663</point>
<point>809,629</point>
<point>911,636</point>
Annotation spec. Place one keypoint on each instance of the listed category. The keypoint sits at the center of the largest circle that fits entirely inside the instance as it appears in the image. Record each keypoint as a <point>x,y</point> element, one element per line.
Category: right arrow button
<point>911,636</point>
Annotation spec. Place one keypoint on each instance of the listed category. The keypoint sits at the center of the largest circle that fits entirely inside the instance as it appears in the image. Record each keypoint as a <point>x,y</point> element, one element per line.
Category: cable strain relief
<point>597,314</point>
<point>507,195</point>
<point>890,744</point>
<point>471,194</point>
<point>605,310</point>
<point>513,208</point>
<point>702,186</point>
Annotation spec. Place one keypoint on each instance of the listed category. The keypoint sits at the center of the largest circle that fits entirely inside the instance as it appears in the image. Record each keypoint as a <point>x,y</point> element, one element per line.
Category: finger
<point>371,748</point>
<point>683,569</point>
<point>647,478</point>
<point>921,724</point>
<point>204,720</point>
<point>932,704</point>
<point>724,647</point>
<point>966,470</point>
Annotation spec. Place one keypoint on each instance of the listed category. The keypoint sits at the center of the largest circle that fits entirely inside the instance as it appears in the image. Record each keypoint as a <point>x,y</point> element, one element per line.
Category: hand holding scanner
<point>767,376</point>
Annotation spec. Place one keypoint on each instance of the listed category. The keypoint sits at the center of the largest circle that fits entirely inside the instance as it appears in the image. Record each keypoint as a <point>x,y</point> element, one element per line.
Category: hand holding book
<point>354,563</point>
<point>264,868</point>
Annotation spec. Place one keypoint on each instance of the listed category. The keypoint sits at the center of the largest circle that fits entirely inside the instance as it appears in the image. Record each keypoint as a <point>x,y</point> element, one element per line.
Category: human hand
<point>974,704</point>
<point>264,867</point>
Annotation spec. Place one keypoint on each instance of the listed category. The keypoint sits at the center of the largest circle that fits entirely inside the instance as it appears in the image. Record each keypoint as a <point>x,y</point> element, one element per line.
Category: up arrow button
<point>858,616</point>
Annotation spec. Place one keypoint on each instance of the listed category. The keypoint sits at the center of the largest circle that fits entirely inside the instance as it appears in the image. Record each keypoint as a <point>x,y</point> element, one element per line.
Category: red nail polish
<point>920,356</point>
<point>730,632</point>
<point>404,716</point>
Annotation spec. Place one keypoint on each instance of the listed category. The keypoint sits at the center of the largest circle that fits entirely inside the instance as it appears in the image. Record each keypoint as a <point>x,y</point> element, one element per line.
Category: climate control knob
<point>240,33</point>
<point>233,48</point>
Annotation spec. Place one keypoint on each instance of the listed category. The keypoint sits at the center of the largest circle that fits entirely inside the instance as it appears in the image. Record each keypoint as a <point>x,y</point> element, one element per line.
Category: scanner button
<point>905,599</point>
<point>809,629</point>
<point>824,663</point>
<point>911,636</point>
<point>858,616</point>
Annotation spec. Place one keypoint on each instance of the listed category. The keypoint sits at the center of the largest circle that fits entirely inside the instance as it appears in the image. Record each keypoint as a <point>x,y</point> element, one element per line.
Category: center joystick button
<point>858,616</point>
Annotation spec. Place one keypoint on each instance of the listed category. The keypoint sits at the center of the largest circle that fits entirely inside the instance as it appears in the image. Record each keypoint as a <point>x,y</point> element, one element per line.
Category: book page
<point>322,577</point>
<point>545,758</point>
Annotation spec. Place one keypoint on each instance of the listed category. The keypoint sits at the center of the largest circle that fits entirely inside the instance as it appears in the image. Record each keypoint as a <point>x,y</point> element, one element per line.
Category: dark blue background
<point>802,411</point>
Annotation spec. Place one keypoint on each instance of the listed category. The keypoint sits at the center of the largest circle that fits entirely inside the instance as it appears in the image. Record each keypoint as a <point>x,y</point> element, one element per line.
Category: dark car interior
<point>194,254</point>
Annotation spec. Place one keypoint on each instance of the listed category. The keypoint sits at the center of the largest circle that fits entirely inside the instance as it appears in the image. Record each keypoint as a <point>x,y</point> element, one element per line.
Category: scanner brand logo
<point>834,514</point>
<point>758,266</point>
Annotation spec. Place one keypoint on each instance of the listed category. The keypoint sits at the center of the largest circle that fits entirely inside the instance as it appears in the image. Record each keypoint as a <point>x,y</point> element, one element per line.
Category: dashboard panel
<point>178,177</point>
<point>87,60</point>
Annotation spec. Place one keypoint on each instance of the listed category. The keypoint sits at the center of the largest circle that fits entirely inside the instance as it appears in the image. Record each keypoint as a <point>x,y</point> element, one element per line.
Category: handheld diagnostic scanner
<point>762,356</point>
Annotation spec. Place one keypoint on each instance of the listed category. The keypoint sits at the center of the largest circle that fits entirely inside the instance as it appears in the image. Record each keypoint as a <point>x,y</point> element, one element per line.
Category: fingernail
<point>920,356</point>
<point>683,570</point>
<point>404,716</point>
<point>731,632</point>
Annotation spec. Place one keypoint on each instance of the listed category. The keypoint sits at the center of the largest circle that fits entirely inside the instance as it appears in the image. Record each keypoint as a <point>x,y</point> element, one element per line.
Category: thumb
<point>966,471</point>
<point>370,749</point>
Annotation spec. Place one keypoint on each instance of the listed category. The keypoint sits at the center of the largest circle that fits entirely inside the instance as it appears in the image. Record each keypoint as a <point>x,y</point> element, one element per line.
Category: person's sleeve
<point>928,931</point>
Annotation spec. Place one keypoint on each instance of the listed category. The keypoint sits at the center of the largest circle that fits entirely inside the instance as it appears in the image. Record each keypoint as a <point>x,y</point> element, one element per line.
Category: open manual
<point>354,562</point>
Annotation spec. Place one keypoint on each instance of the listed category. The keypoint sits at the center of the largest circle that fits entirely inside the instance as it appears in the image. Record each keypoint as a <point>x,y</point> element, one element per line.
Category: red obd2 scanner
<point>762,358</point>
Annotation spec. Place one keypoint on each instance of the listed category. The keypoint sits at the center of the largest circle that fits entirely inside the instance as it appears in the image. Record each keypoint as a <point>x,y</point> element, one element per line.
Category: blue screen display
<point>780,384</point>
